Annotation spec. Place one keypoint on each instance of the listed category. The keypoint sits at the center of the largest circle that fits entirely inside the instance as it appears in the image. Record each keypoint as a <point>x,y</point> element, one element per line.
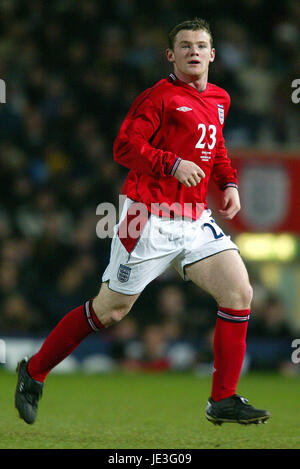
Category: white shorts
<point>162,242</point>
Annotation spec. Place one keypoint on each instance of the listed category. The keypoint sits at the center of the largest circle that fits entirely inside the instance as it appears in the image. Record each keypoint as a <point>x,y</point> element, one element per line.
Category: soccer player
<point>172,143</point>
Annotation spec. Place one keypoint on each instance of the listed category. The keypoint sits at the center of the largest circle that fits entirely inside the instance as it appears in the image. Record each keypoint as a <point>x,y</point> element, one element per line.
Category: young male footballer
<point>172,142</point>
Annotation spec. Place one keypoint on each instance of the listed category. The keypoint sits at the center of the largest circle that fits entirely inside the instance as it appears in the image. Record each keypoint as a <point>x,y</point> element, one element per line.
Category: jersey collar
<point>172,78</point>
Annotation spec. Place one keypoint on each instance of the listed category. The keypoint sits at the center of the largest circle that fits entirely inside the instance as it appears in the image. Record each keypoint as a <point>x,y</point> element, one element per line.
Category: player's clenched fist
<point>188,173</point>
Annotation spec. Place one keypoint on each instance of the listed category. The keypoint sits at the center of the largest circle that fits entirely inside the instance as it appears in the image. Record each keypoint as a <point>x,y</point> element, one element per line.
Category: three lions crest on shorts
<point>123,273</point>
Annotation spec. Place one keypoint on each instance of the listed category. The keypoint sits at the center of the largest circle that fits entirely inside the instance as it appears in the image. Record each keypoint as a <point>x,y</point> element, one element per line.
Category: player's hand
<point>188,173</point>
<point>230,203</point>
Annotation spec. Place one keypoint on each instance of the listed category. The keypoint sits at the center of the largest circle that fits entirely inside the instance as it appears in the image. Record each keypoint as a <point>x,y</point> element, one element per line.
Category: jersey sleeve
<point>132,147</point>
<point>223,173</point>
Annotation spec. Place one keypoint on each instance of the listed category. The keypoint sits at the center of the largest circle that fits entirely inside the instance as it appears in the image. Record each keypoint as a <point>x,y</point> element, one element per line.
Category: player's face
<point>192,53</point>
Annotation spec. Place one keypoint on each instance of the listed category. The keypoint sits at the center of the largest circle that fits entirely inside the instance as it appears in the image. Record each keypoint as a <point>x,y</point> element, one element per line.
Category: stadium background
<point>72,69</point>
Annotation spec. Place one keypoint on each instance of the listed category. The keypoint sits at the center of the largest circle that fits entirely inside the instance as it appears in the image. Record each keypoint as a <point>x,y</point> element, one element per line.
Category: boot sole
<point>255,420</point>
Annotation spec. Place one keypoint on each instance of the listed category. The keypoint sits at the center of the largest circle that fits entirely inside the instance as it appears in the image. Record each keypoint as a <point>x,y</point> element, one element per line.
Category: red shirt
<point>166,123</point>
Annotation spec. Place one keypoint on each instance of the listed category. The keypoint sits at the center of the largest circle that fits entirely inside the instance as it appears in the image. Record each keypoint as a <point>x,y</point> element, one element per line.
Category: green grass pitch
<point>147,411</point>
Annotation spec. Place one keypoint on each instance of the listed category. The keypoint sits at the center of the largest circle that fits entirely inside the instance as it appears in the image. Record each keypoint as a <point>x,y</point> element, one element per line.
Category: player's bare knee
<point>237,298</point>
<point>112,314</point>
<point>118,314</point>
<point>110,307</point>
<point>249,293</point>
<point>244,296</point>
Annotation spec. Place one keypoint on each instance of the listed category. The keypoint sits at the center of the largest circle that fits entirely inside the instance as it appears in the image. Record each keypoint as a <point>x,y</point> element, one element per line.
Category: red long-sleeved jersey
<point>166,123</point>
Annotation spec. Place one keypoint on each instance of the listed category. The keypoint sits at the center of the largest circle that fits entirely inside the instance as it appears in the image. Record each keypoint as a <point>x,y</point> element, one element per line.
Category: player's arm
<point>230,203</point>
<point>189,173</point>
<point>133,149</point>
<point>225,177</point>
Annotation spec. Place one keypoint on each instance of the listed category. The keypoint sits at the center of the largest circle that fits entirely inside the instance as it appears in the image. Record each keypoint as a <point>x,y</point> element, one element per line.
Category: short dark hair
<point>193,25</point>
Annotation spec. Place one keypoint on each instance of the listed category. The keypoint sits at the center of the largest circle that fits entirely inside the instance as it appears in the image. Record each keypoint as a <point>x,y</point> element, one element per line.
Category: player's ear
<point>170,55</point>
<point>212,55</point>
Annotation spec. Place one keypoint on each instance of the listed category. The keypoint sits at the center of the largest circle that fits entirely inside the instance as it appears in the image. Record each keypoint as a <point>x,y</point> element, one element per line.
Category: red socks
<point>229,345</point>
<point>229,350</point>
<point>65,337</point>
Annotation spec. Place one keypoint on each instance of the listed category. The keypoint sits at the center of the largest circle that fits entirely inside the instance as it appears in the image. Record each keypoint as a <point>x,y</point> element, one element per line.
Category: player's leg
<point>108,306</point>
<point>127,275</point>
<point>90,317</point>
<point>225,277</point>
<point>134,262</point>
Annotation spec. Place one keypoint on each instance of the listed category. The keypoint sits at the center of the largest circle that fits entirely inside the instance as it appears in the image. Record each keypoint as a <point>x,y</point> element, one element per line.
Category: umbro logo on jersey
<point>184,109</point>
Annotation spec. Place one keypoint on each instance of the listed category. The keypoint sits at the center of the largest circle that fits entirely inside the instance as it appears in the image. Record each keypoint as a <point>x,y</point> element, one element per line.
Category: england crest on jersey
<point>221,113</point>
<point>123,273</point>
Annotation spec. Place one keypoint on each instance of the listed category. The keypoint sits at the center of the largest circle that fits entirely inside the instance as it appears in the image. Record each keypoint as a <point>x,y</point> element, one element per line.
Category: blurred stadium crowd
<point>72,69</point>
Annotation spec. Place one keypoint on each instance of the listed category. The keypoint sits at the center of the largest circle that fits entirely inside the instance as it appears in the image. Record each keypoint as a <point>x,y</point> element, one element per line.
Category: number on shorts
<point>211,227</point>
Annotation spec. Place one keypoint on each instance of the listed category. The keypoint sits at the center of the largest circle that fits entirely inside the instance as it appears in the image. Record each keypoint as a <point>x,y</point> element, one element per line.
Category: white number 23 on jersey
<point>212,134</point>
